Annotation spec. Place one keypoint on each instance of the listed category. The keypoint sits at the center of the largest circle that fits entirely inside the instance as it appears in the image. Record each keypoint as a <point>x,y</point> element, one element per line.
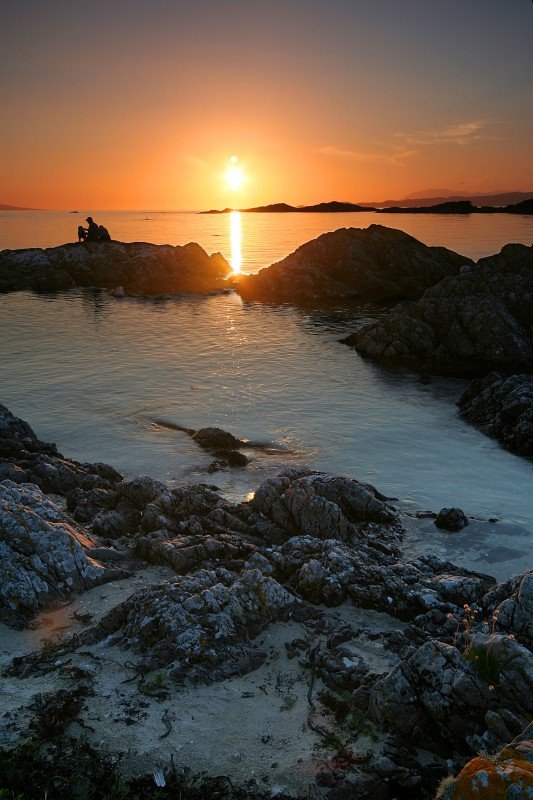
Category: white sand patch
<point>254,726</point>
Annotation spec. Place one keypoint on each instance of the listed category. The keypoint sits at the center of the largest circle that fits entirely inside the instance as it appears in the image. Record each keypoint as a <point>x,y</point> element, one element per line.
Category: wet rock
<point>451,519</point>
<point>216,439</point>
<point>138,268</point>
<point>372,264</point>
<point>201,626</point>
<point>502,407</point>
<point>26,459</point>
<point>466,325</point>
<point>43,554</point>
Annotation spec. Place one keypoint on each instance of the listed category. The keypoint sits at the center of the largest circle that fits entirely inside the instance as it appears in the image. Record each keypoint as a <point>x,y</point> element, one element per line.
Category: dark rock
<point>216,439</point>
<point>502,407</point>
<point>371,264</point>
<point>451,519</point>
<point>466,325</point>
<point>138,268</point>
<point>24,458</point>
<point>511,603</point>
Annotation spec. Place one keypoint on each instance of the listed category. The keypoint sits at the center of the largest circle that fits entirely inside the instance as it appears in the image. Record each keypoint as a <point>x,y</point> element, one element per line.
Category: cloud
<point>195,161</point>
<point>461,133</point>
<point>395,159</point>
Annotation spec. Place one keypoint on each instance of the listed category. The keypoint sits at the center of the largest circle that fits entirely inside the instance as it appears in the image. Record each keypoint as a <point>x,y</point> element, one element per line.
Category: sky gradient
<point>127,104</point>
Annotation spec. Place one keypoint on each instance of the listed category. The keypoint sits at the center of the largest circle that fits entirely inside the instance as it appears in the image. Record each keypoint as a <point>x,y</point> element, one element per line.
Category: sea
<point>106,378</point>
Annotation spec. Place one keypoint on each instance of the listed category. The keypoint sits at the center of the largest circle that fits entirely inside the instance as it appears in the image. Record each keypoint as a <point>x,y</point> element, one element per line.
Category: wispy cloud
<point>460,133</point>
<point>195,161</point>
<point>395,159</point>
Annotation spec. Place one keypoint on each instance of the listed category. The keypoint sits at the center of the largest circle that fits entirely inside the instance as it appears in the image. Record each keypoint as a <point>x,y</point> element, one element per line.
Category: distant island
<point>461,207</point>
<point>448,207</point>
<point>4,207</point>
<point>334,206</point>
<point>412,201</point>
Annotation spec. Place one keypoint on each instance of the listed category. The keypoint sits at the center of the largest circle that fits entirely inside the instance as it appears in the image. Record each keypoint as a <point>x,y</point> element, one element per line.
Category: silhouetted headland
<point>335,206</point>
<point>374,264</point>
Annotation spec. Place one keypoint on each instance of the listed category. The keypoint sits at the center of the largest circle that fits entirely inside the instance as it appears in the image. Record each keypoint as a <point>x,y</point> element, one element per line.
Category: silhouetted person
<point>103,234</point>
<point>93,234</point>
<point>82,233</point>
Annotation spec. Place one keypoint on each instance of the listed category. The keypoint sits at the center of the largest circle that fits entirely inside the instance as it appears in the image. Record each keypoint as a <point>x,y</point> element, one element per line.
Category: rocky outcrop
<point>199,627</point>
<point>43,554</point>
<point>502,407</point>
<point>370,264</point>
<point>441,697</point>
<point>139,268</point>
<point>466,325</point>
<point>511,603</point>
<point>26,459</point>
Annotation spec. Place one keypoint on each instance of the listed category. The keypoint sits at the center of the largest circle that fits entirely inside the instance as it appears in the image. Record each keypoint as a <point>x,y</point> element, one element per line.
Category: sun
<point>234,175</point>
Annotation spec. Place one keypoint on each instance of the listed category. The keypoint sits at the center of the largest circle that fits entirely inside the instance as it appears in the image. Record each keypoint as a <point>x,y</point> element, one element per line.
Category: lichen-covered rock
<point>441,696</point>
<point>512,604</point>
<point>42,554</point>
<point>371,264</point>
<point>199,626</point>
<point>188,552</point>
<point>139,268</point>
<point>451,519</point>
<point>331,571</point>
<point>466,325</point>
<point>327,506</point>
<point>502,407</point>
<point>505,776</point>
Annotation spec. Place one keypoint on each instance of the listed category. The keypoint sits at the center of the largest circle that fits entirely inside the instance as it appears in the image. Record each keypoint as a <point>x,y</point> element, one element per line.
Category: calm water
<point>94,373</point>
<point>252,241</point>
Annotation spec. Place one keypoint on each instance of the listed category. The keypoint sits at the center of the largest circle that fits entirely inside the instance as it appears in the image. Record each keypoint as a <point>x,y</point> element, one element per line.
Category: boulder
<point>136,268</point>
<point>451,519</point>
<point>43,554</point>
<point>502,407</point>
<point>466,325</point>
<point>371,264</point>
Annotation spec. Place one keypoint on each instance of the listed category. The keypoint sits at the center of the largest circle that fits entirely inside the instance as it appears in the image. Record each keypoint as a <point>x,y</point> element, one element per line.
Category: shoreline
<point>297,621</point>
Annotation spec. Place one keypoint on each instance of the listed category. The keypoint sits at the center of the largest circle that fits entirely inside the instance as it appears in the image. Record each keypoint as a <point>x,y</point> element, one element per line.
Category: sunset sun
<point>234,174</point>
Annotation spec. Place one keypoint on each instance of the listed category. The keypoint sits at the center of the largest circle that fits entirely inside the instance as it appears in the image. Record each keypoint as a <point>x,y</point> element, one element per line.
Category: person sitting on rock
<point>104,234</point>
<point>82,233</point>
<point>93,233</point>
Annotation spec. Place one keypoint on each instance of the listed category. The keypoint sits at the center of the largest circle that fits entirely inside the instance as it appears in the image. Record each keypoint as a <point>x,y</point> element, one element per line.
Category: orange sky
<point>319,100</point>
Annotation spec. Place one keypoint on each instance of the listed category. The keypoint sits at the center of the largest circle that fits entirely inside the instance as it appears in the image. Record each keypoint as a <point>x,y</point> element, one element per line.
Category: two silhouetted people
<point>93,233</point>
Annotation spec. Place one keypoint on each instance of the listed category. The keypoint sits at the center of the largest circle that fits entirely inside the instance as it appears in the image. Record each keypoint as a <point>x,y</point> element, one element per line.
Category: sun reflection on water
<point>236,241</point>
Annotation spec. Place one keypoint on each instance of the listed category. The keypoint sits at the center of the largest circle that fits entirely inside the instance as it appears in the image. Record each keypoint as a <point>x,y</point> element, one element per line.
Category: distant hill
<point>335,206</point>
<point>461,207</point>
<point>451,207</point>
<point>500,199</point>
<point>3,207</point>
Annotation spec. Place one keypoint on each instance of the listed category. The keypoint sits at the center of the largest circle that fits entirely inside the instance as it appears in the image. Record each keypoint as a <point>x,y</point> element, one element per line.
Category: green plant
<point>484,662</point>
